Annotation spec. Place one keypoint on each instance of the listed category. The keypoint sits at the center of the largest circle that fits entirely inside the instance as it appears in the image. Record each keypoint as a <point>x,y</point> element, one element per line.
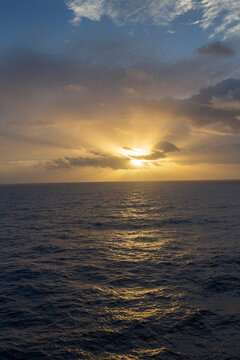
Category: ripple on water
<point>120,271</point>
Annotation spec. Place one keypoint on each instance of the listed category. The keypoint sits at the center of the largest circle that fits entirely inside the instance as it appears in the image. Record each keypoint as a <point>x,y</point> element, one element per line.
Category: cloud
<point>158,12</point>
<point>218,16</point>
<point>227,89</point>
<point>226,153</point>
<point>166,147</point>
<point>222,16</point>
<point>207,116</point>
<point>91,9</point>
<point>158,151</point>
<point>217,49</point>
<point>154,155</point>
<point>214,108</point>
<point>97,159</point>
<point>127,148</point>
<point>101,161</point>
<point>53,105</point>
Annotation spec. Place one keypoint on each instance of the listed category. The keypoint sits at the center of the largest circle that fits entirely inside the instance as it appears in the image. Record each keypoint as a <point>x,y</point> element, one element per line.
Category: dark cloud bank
<point>101,161</point>
<point>217,49</point>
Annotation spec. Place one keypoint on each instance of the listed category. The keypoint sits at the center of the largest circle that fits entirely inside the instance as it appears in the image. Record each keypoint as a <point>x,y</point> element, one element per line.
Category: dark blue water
<point>120,271</point>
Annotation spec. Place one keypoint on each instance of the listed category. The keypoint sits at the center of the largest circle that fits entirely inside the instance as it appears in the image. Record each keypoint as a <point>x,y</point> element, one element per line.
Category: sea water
<point>137,270</point>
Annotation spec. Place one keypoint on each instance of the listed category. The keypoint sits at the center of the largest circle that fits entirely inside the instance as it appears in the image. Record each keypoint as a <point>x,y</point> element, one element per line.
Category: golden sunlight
<point>133,152</point>
<point>135,155</point>
<point>137,162</point>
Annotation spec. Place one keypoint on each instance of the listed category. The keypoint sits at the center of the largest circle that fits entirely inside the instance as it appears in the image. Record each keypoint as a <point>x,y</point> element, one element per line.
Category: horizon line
<point>118,181</point>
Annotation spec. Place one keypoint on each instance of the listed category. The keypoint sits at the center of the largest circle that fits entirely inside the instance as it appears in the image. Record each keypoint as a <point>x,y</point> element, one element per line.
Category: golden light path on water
<point>134,247</point>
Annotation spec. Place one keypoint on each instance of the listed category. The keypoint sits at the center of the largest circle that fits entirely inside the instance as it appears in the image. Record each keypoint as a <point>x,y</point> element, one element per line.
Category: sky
<point>111,90</point>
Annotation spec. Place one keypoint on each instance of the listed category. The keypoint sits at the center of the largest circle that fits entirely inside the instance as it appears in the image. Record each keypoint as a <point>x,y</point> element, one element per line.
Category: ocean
<point>125,271</point>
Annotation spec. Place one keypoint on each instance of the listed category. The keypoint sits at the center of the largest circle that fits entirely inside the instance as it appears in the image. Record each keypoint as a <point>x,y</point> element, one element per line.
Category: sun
<point>137,162</point>
<point>135,155</point>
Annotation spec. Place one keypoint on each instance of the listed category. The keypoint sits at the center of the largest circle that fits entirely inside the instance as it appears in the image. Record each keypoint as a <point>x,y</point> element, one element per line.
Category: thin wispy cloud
<point>91,9</point>
<point>226,13</point>
<point>216,16</point>
<point>121,12</point>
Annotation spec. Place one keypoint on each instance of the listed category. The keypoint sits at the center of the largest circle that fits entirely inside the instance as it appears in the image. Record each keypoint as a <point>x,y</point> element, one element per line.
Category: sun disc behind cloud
<point>136,162</point>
